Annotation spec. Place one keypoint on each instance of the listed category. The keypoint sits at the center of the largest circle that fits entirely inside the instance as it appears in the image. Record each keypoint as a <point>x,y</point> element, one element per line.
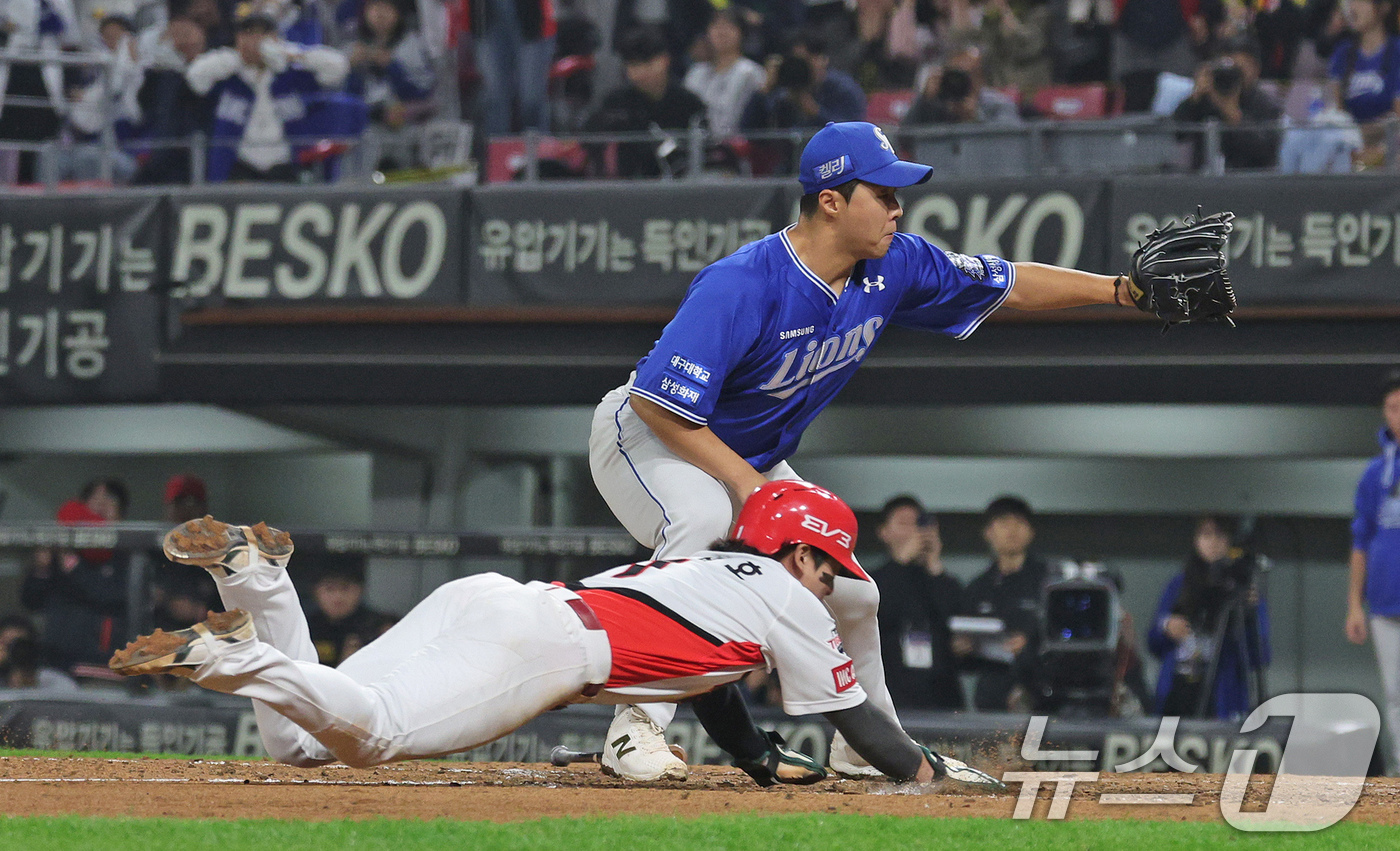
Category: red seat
<point>1087,100</point>
<point>567,66</point>
<point>321,151</point>
<point>888,107</point>
<point>505,155</point>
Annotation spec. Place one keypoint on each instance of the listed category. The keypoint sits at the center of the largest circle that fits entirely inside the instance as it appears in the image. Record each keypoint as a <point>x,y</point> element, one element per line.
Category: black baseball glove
<point>1178,272</point>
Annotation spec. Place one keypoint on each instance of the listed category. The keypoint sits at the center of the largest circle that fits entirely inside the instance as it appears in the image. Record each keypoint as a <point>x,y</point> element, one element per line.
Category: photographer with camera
<point>1227,90</point>
<point>955,93</point>
<point>1211,630</point>
<point>789,101</point>
<point>917,597</point>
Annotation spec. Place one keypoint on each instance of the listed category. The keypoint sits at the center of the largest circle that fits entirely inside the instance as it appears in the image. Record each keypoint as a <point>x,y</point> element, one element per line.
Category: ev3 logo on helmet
<point>884,142</point>
<point>818,525</point>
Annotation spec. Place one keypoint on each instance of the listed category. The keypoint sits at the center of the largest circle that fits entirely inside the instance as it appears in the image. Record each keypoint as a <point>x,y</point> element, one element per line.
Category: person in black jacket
<point>917,597</point>
<point>338,618</point>
<point>1011,589</point>
<point>652,101</point>
<point>1227,90</point>
<point>170,110</point>
<point>81,594</point>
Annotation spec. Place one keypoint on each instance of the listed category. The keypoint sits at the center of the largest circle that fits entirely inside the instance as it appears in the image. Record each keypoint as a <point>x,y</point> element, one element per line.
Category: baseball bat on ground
<point>562,756</point>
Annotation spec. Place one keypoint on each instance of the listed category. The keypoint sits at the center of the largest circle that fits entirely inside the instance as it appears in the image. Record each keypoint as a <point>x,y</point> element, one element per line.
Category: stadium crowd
<point>280,89</point>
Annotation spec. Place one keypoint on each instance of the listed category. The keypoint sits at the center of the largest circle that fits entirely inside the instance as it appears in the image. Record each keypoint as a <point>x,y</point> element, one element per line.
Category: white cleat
<point>847,764</point>
<point>636,749</point>
<point>956,769</point>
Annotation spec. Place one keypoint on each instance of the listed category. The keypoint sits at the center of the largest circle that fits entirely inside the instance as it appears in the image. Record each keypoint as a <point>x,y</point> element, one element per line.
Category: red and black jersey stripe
<point>651,642</point>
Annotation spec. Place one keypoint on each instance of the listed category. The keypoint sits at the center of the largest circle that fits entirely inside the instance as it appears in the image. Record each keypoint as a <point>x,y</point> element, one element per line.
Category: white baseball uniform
<point>675,507</point>
<point>485,654</point>
<point>759,346</point>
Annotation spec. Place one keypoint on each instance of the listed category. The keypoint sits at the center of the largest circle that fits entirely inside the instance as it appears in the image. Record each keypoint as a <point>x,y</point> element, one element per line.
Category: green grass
<point>624,833</point>
<point>752,833</point>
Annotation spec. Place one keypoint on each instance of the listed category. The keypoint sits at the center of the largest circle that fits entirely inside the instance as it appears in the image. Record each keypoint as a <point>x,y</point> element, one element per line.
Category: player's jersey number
<point>642,566</point>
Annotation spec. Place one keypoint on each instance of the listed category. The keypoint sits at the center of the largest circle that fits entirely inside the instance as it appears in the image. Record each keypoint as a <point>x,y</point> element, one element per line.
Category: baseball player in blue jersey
<point>762,342</point>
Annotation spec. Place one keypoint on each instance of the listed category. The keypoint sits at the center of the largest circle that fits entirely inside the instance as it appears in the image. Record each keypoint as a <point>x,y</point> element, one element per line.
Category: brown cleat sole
<point>201,539</point>
<point>272,543</point>
<point>180,652</point>
<point>206,542</point>
<point>157,644</point>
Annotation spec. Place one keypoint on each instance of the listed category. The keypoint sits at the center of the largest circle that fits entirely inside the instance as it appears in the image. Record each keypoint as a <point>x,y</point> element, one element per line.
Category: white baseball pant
<point>1385,633</point>
<point>669,504</point>
<point>476,659</point>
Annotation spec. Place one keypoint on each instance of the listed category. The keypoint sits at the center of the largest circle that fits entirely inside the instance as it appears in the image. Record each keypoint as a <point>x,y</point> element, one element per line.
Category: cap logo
<point>831,168</point>
<point>821,527</point>
<point>884,142</point>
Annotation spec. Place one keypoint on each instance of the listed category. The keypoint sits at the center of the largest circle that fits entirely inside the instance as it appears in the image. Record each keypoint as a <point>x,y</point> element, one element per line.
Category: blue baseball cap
<point>854,150</point>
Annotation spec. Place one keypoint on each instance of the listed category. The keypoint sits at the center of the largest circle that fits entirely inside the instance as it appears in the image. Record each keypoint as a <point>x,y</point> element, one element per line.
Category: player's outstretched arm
<point>700,446</point>
<point>875,736</point>
<point>1043,287</point>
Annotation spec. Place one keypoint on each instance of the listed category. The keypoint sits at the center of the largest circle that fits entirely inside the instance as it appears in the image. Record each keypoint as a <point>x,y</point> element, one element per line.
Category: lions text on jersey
<point>760,344</point>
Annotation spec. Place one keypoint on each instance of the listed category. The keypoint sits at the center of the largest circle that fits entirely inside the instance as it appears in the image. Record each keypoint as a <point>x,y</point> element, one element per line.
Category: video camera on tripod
<point>1239,583</point>
<point>1079,642</point>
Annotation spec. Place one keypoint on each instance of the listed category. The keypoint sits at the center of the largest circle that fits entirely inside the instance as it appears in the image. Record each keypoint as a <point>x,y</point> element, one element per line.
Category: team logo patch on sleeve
<point>845,676</point>
<point>689,369</point>
<point>973,267</point>
<point>680,390</point>
<point>996,268</point>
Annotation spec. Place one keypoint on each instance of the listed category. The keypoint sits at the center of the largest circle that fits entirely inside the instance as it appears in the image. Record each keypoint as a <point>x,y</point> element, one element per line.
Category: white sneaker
<point>848,764</point>
<point>635,749</point>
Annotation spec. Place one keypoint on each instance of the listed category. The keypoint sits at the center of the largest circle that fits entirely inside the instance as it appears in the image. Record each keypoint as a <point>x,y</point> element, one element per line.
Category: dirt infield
<point>516,791</point>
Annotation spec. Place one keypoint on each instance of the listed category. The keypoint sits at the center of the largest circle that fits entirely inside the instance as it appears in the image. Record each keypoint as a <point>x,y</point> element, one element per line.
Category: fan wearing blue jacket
<point>1374,589</point>
<point>268,96</point>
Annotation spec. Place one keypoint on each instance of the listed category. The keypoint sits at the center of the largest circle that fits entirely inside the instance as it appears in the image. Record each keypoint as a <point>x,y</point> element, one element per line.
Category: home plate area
<point>504,792</point>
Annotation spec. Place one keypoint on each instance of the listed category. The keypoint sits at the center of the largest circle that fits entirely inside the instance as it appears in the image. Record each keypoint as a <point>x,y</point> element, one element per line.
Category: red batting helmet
<point>790,512</point>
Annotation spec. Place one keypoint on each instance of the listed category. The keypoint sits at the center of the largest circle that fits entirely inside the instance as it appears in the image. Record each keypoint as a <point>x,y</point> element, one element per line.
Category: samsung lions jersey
<point>760,344</point>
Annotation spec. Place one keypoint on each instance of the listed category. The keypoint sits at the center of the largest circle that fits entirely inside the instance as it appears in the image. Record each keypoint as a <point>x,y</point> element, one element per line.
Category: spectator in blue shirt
<point>1365,73</point>
<point>268,96</point>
